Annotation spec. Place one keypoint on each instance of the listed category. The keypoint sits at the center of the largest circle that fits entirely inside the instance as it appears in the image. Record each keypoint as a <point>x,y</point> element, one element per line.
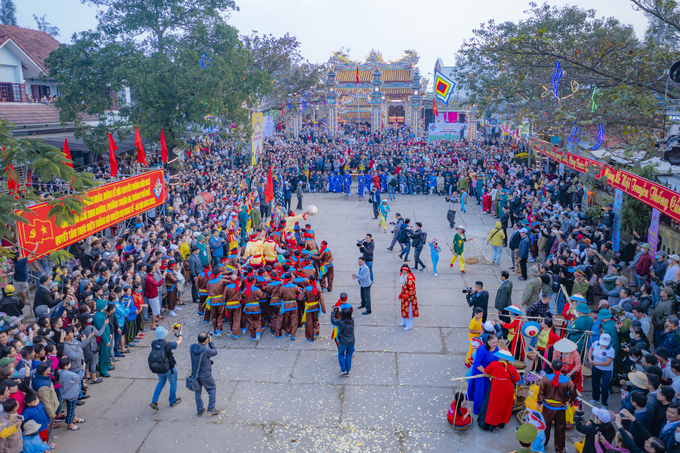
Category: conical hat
<point>565,346</point>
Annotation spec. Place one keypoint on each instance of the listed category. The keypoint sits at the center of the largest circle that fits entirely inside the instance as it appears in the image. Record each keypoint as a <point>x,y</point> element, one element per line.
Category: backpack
<point>402,236</point>
<point>159,362</point>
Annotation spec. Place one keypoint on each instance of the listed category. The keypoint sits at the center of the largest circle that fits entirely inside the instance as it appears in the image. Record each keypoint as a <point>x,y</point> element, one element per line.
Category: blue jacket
<point>38,414</point>
<point>33,444</point>
<point>523,249</point>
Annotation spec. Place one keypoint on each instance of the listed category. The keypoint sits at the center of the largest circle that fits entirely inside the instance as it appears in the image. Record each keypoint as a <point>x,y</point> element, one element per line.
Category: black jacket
<point>43,296</point>
<point>416,238</point>
<point>205,368</point>
<point>345,330</point>
<point>12,305</point>
<point>479,299</point>
<point>367,249</point>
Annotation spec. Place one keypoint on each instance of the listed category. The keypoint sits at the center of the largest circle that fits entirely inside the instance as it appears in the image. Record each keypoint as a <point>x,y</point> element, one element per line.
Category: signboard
<point>256,139</point>
<point>444,131</point>
<point>108,205</point>
<point>268,126</point>
<point>665,200</point>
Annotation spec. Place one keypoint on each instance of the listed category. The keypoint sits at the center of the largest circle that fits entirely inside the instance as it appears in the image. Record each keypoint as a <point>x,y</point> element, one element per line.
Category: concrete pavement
<point>278,395</point>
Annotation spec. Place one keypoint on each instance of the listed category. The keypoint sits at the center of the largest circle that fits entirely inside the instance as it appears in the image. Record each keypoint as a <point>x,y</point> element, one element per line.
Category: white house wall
<point>10,67</point>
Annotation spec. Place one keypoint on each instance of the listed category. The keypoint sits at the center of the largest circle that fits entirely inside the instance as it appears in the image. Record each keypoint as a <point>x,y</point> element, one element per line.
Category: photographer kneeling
<point>201,371</point>
<point>367,247</point>
<point>477,297</point>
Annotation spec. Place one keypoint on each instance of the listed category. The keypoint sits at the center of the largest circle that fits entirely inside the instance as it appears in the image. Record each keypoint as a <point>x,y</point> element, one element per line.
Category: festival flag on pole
<point>269,188</point>
<point>164,148</point>
<point>12,181</point>
<point>283,112</point>
<point>435,112</point>
<point>67,154</point>
<point>443,87</point>
<point>357,75</point>
<point>112,156</point>
<point>141,157</point>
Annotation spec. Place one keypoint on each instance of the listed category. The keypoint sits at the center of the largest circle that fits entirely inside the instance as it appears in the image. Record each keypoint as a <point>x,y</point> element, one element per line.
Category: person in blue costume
<point>348,184</point>
<point>483,357</point>
<point>360,184</point>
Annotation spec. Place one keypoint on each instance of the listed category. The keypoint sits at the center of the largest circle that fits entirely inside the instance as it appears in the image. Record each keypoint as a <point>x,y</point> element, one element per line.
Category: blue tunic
<point>477,387</point>
<point>360,183</point>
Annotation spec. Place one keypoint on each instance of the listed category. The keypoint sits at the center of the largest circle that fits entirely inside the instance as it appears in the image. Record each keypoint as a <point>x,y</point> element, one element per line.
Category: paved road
<point>278,395</point>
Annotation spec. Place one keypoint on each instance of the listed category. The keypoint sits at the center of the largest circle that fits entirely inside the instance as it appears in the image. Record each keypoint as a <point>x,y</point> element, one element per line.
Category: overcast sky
<point>434,28</point>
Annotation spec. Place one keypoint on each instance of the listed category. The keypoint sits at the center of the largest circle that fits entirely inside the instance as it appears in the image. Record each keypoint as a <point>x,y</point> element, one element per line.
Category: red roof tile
<point>37,44</point>
<point>21,114</point>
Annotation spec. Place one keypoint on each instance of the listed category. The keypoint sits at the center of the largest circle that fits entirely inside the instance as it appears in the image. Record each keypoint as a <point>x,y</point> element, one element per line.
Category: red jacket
<point>643,264</point>
<point>151,286</point>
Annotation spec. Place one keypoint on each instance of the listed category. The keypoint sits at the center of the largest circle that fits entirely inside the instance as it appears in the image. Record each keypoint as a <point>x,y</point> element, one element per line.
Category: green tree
<point>45,26</point>
<point>508,69</point>
<point>185,66</point>
<point>291,73</point>
<point>8,12</point>
<point>47,164</point>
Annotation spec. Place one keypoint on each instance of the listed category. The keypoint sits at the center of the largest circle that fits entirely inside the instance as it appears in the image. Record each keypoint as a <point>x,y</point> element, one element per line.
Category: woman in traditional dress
<point>514,328</point>
<point>475,329</point>
<point>409,301</point>
<point>99,322</point>
<point>500,395</point>
<point>483,357</point>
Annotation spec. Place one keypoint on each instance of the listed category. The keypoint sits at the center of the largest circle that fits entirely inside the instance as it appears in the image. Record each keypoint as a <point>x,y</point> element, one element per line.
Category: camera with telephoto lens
<point>361,243</point>
<point>468,290</point>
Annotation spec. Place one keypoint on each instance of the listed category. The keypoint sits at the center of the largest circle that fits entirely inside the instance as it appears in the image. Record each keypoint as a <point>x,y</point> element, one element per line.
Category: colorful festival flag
<point>141,156</point>
<point>112,156</point>
<point>269,188</point>
<point>443,87</point>
<point>435,112</point>
<point>164,148</point>
<point>357,75</point>
<point>67,153</point>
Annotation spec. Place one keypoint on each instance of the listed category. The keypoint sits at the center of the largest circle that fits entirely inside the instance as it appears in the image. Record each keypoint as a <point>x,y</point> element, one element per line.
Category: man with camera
<point>478,297</point>
<point>395,232</point>
<point>201,370</point>
<point>367,247</point>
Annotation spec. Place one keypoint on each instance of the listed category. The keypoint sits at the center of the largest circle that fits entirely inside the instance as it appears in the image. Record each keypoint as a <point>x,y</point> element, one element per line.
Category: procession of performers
<point>493,375</point>
<point>276,280</point>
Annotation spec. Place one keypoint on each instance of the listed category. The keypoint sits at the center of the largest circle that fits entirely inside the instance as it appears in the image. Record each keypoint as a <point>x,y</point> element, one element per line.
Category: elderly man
<point>661,313</point>
<point>533,288</point>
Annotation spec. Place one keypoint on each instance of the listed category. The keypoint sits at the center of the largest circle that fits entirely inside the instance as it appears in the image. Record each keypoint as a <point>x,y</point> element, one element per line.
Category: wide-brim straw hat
<point>565,346</point>
<point>638,379</point>
<point>504,354</point>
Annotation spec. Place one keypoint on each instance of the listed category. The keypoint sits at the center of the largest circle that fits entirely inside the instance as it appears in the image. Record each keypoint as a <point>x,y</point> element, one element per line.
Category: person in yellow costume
<point>459,241</point>
<point>291,220</point>
<point>254,250</point>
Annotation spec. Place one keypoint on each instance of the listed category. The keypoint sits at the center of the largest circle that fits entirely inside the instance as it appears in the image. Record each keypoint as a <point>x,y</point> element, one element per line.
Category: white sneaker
<point>172,313</point>
<point>401,324</point>
<point>408,328</point>
<point>435,274</point>
<point>178,308</point>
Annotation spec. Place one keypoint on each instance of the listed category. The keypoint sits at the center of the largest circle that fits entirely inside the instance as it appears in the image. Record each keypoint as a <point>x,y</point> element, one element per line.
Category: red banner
<point>663,199</point>
<point>108,205</point>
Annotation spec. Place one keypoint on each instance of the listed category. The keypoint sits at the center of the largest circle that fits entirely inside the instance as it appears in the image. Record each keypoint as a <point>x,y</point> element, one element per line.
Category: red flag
<point>67,153</point>
<point>269,188</point>
<point>12,181</point>
<point>283,112</point>
<point>141,157</point>
<point>112,156</point>
<point>164,148</point>
<point>435,112</point>
<point>357,75</point>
